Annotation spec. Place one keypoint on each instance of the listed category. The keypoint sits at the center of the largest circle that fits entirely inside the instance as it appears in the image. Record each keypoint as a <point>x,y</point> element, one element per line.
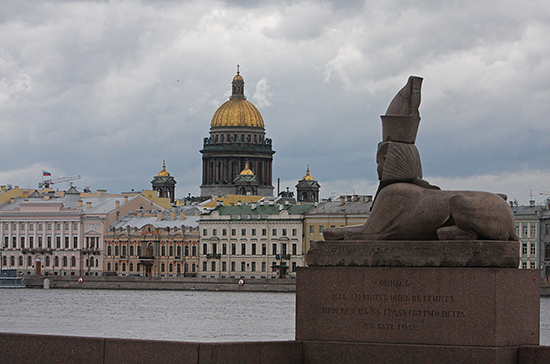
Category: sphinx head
<point>398,162</point>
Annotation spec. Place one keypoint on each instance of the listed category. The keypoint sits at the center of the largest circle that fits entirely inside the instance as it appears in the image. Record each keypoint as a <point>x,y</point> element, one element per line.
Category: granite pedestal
<point>413,314</point>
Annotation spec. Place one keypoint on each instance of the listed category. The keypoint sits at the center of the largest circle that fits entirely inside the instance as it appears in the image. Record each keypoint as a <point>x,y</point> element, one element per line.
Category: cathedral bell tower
<point>307,189</point>
<point>164,184</point>
<point>236,143</point>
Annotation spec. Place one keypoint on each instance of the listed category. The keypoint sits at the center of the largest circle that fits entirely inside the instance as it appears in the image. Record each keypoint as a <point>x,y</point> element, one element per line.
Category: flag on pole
<point>46,174</point>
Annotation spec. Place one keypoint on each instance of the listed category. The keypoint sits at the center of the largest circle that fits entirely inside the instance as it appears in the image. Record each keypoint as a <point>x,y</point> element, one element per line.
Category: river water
<point>162,315</point>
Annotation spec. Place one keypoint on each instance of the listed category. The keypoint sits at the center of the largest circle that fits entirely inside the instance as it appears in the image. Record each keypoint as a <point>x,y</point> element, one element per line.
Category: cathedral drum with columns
<point>237,157</point>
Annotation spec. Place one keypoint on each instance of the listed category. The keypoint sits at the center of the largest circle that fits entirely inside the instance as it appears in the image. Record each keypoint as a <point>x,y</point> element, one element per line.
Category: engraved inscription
<point>394,305</point>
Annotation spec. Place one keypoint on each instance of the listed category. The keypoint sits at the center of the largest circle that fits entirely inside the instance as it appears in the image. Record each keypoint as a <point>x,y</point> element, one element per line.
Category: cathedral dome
<point>237,111</point>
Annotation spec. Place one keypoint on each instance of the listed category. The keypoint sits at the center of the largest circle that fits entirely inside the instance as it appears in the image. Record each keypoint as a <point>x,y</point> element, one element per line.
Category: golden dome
<point>164,172</point>
<point>237,111</point>
<point>308,176</point>
<point>246,171</point>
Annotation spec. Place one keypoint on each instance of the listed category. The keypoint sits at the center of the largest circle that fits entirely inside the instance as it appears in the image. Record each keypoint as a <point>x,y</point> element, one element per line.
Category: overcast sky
<point>109,89</point>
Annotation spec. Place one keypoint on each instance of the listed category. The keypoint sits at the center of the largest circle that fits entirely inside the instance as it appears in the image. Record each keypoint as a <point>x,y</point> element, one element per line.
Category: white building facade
<point>255,240</point>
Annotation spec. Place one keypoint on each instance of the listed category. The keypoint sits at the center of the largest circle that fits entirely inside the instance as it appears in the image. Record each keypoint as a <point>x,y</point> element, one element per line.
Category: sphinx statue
<point>406,207</point>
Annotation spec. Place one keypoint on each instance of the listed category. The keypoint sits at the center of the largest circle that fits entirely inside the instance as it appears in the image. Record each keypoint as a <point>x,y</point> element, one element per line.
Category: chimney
<point>532,203</point>
<point>88,205</point>
<point>342,200</point>
<point>45,198</point>
<point>159,216</point>
<point>12,200</point>
<point>172,216</point>
<point>182,216</point>
<point>125,199</point>
<point>79,203</point>
<point>117,204</point>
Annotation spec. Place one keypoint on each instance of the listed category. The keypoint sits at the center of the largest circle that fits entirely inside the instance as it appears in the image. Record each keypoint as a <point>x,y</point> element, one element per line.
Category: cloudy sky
<point>109,89</point>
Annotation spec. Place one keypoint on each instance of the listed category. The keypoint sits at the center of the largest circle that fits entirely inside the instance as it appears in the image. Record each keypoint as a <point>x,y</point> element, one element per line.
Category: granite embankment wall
<point>180,283</point>
<point>176,283</point>
<point>47,349</point>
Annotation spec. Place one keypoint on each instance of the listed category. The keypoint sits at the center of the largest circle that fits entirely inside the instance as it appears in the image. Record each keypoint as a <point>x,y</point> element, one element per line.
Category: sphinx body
<point>407,211</point>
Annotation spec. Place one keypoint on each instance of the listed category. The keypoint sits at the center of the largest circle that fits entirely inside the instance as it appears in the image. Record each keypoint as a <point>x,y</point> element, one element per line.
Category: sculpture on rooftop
<point>406,207</point>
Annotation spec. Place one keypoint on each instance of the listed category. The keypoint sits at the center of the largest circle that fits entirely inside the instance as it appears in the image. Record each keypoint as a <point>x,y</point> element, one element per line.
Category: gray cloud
<point>108,89</point>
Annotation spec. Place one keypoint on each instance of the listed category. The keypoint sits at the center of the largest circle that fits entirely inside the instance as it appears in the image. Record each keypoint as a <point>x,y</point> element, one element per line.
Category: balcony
<point>282,256</point>
<point>213,256</point>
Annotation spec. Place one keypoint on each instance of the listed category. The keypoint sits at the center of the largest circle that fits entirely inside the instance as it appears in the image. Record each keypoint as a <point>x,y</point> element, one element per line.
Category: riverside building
<point>253,240</point>
<point>154,244</point>
<point>346,210</point>
<point>528,230</point>
<point>46,232</point>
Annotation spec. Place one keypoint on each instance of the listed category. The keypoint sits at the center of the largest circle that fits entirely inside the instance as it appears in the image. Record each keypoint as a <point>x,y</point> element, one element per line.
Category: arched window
<point>12,261</point>
<point>162,267</point>
<point>20,261</point>
<point>55,261</point>
<point>73,261</point>
<point>29,261</point>
<point>123,267</point>
<point>47,261</point>
<point>65,260</point>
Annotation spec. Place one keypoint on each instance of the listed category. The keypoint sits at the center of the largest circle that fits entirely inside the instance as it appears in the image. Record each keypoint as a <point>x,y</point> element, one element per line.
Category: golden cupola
<point>237,111</point>
<point>164,172</point>
<point>246,171</point>
<point>308,177</point>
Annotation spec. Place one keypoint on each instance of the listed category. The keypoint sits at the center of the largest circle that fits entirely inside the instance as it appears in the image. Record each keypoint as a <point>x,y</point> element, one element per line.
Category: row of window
<point>22,243</point>
<point>525,229</point>
<point>244,266</point>
<point>163,266</point>
<point>253,251</point>
<point>137,250</point>
<point>253,232</point>
<point>40,226</point>
<point>524,248</point>
<point>55,262</point>
<point>528,265</point>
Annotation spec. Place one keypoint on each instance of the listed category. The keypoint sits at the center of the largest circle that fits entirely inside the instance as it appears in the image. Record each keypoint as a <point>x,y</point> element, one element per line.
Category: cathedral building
<point>237,157</point>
